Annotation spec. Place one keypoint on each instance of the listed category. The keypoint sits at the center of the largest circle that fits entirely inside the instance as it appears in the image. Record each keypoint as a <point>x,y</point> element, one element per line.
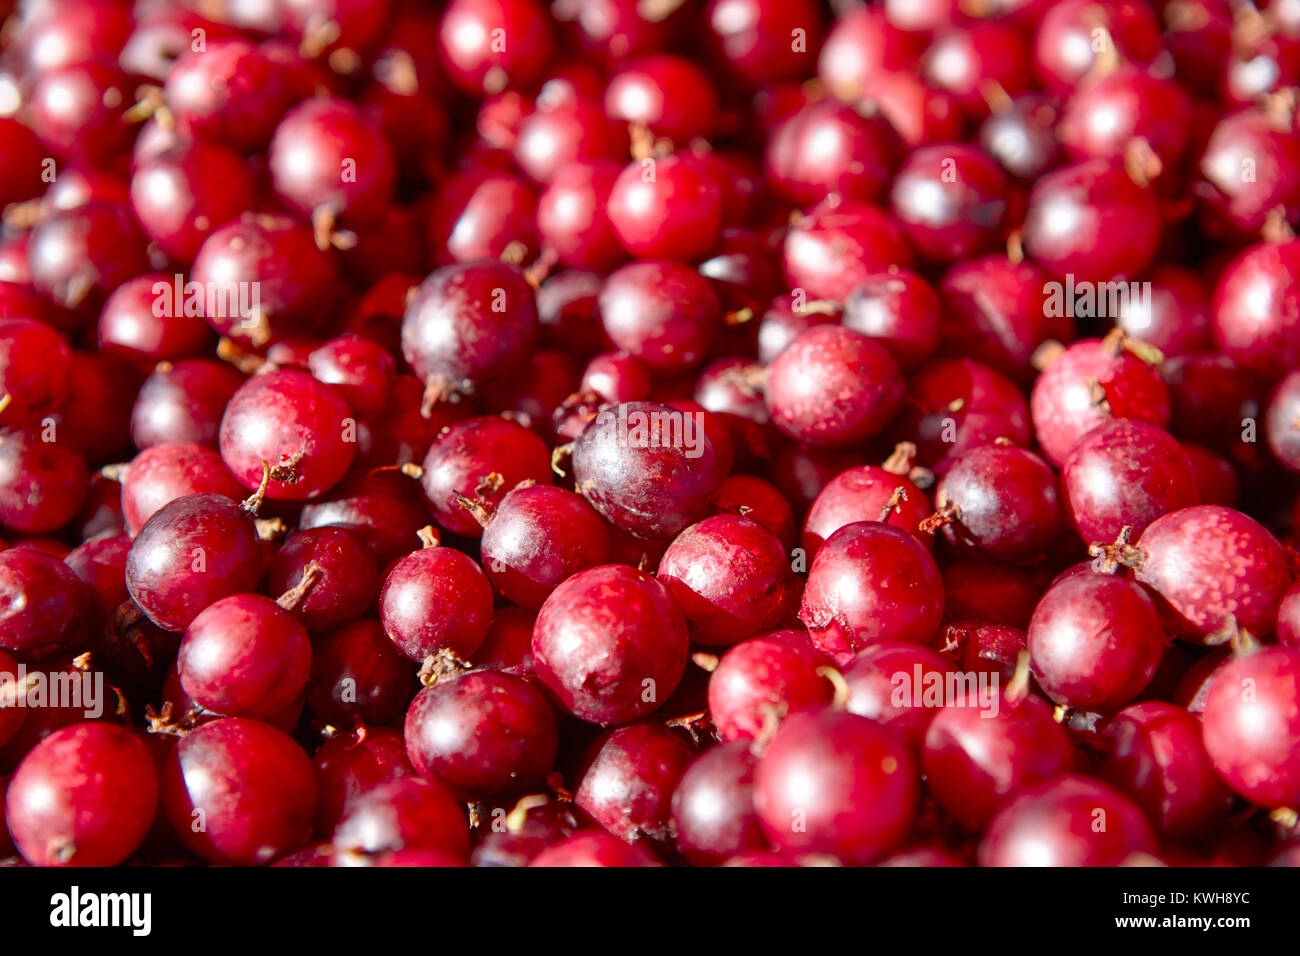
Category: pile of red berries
<point>625,433</point>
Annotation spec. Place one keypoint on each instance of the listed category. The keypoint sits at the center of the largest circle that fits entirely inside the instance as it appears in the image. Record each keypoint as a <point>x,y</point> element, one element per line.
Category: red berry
<point>731,577</point>
<point>1256,308</point>
<point>594,848</point>
<point>833,387</point>
<point>871,582</point>
<point>356,673</point>
<point>1091,382</point>
<point>610,644</point>
<point>666,93</point>
<point>863,494</point>
<point>713,805</point>
<point>408,813</point>
<point>888,683</point>
<point>1095,641</point>
<point>190,553</point>
<point>629,777</point>
<point>297,425</point>
<point>1125,474</point>
<point>1251,726</point>
<point>244,656</point>
<point>649,469</point>
<point>84,796</point>
<point>539,537</point>
<point>251,785</point>
<point>436,599</point>
<point>469,325</point>
<point>663,313</point>
<point>1211,566</point>
<point>1156,755</point>
<point>1068,821</point>
<point>669,208</point>
<point>1090,220</point>
<point>836,784</point>
<point>481,459</point>
<point>481,732</point>
<point>830,251</point>
<point>975,759</point>
<point>951,199</point>
<point>1001,502</point>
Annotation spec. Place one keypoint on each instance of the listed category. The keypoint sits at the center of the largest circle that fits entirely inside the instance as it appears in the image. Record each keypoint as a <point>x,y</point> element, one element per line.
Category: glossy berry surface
<point>293,422</point>
<point>480,460</point>
<point>1157,756</point>
<point>193,551</point>
<point>1053,825</point>
<point>1125,474</point>
<point>610,644</point>
<point>1095,641</point>
<point>759,680</point>
<point>977,756</point>
<point>871,582</point>
<point>84,796</point>
<point>1004,503</point>
<point>469,324</point>
<point>1183,551</point>
<point>731,578</point>
<point>822,762</point>
<point>435,598</point>
<point>833,387</point>
<point>888,683</point>
<point>481,732</point>
<point>668,209</point>
<point>629,780</point>
<point>254,786</point>
<point>1090,382</point>
<point>46,608</point>
<point>408,813</point>
<point>244,656</point>
<point>713,805</point>
<point>649,469</point>
<point>538,538</point>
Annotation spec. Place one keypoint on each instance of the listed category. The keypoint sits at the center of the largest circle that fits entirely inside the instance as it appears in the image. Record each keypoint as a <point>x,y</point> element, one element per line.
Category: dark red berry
<point>244,656</point>
<point>836,784</point>
<point>713,805</point>
<point>975,759</point>
<point>610,644</point>
<point>84,796</point>
<point>1067,821</point>
<point>628,782</point>
<point>1156,755</point>
<point>481,733</point>
<point>537,538</point>
<point>1001,502</point>
<point>649,469</point>
<point>190,553</point>
<point>871,582</point>
<point>833,387</point>
<point>252,787</point>
<point>436,599</point>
